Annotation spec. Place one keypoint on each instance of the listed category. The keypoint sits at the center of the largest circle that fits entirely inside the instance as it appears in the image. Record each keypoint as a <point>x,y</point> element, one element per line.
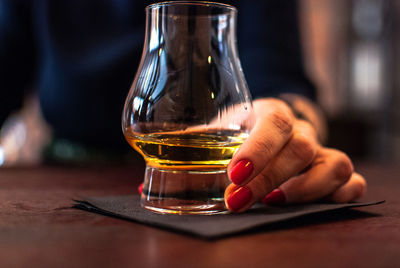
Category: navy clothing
<point>81,57</point>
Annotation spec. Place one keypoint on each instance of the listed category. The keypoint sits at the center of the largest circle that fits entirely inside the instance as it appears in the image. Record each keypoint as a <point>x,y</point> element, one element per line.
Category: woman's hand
<point>283,162</point>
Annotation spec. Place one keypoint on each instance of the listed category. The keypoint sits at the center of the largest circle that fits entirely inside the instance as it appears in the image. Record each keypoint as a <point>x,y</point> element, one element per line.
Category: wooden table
<point>38,227</point>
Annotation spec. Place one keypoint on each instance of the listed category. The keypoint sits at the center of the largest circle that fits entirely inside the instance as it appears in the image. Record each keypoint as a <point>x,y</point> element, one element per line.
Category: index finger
<point>271,132</point>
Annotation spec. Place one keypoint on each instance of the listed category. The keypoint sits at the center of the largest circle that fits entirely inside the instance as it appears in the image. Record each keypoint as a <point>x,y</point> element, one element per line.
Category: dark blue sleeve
<point>88,55</point>
<point>84,55</point>
<point>269,48</point>
<point>17,54</point>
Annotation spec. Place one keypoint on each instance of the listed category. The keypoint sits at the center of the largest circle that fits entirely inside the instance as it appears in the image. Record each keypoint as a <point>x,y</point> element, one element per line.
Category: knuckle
<point>303,147</point>
<point>272,178</point>
<point>282,105</point>
<point>343,167</point>
<point>306,127</point>
<point>263,183</point>
<point>264,147</point>
<point>282,121</point>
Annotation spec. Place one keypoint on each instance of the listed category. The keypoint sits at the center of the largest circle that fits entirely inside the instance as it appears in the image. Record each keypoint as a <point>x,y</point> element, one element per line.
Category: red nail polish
<point>140,188</point>
<point>239,198</point>
<point>274,197</point>
<point>241,171</point>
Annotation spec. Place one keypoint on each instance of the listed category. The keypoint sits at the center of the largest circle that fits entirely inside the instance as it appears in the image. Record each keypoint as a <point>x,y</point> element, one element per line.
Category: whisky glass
<point>189,107</point>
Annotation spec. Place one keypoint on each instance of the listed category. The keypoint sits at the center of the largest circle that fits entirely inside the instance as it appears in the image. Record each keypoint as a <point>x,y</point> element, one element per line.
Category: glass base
<point>184,192</point>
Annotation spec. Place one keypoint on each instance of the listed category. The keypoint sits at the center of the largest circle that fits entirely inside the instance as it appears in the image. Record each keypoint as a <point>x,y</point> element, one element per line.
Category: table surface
<point>38,227</point>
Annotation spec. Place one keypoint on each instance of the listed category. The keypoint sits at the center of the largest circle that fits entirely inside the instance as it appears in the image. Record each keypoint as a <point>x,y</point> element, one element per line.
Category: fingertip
<point>239,199</point>
<point>275,197</point>
<point>352,190</point>
<point>230,189</point>
<point>241,171</point>
<point>140,188</point>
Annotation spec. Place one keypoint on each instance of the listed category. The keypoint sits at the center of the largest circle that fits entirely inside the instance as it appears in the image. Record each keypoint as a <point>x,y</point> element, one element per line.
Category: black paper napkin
<point>206,226</point>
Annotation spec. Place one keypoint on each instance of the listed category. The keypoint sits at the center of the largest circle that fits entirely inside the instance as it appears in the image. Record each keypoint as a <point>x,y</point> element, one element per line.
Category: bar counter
<point>39,227</point>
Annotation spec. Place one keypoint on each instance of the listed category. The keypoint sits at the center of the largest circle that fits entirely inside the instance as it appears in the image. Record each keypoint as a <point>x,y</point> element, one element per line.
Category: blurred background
<point>351,53</point>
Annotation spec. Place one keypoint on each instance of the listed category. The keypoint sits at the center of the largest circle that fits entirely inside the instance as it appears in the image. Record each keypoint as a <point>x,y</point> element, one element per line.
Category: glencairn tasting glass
<point>189,107</point>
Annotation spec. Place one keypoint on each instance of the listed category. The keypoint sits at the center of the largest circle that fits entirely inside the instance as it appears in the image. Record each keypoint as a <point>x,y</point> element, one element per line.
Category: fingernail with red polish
<point>140,188</point>
<point>241,171</point>
<point>239,198</point>
<point>275,197</point>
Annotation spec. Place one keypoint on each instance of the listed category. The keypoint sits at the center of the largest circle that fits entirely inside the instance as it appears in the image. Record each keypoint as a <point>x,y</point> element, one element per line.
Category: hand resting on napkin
<point>283,160</point>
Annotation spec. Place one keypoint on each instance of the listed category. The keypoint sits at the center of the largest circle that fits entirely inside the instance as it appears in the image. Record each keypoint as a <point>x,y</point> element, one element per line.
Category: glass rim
<point>192,3</point>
